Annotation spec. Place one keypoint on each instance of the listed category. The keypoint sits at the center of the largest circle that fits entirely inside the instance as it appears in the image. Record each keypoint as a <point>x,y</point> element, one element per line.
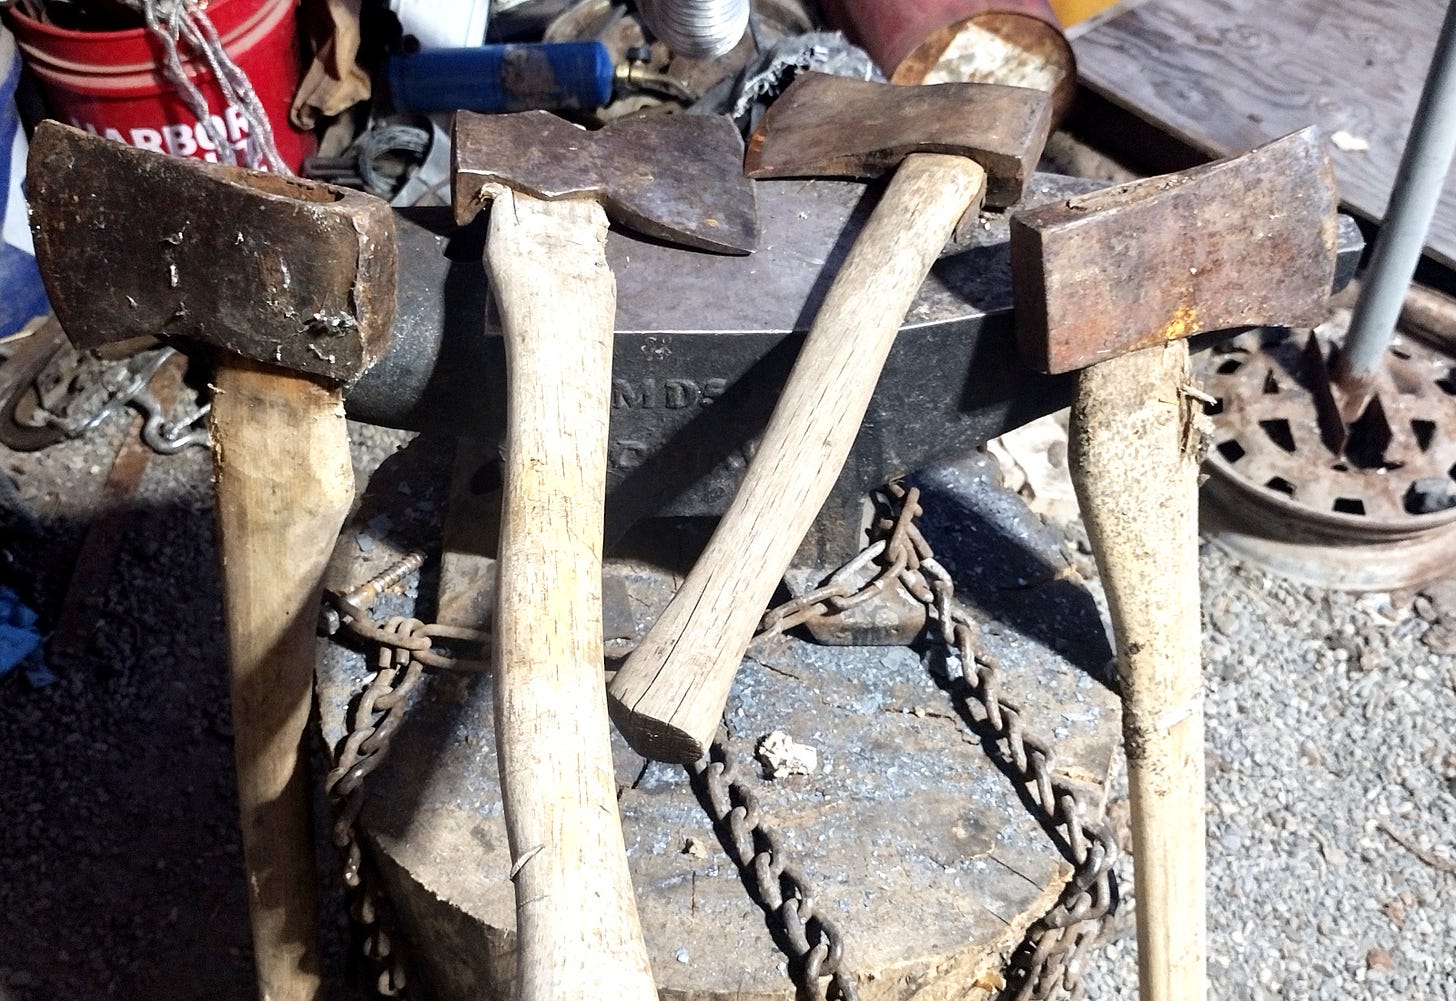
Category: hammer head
<point>1246,241</point>
<point>294,273</point>
<point>833,126</point>
<point>676,178</point>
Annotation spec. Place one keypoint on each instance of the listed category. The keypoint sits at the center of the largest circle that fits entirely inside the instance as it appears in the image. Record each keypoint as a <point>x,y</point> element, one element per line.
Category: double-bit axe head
<point>676,178</point>
<point>1246,241</point>
<point>834,126</point>
<point>131,243</point>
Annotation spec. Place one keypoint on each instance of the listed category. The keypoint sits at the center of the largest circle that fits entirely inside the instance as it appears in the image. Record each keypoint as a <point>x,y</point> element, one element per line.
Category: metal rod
<point>698,29</point>
<point>1422,174</point>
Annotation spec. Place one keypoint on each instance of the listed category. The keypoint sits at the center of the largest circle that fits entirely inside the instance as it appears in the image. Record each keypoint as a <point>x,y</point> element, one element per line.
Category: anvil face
<point>704,344</point>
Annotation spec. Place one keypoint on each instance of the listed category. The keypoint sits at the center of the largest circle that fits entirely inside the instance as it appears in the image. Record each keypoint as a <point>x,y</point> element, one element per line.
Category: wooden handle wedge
<point>1134,463</point>
<point>578,937</point>
<point>285,483</point>
<point>668,696</point>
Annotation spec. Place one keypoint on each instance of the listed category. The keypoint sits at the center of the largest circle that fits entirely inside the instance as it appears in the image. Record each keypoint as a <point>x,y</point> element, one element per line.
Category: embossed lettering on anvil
<point>665,394</point>
<point>627,454</point>
<point>624,454</point>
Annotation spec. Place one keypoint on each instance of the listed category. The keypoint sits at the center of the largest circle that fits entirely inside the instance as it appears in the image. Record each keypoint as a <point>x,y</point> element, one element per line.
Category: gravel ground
<point>1329,737</point>
<point>120,860</point>
<point>1330,719</point>
<point>120,873</point>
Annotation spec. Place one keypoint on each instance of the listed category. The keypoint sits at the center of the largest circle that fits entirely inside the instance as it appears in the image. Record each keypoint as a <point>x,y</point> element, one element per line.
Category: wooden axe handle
<point>285,483</point>
<point>1135,467</point>
<point>578,937</point>
<point>668,696</point>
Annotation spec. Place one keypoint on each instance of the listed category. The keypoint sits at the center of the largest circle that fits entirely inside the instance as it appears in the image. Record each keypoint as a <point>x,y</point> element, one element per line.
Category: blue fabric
<point>22,296</point>
<point>20,640</point>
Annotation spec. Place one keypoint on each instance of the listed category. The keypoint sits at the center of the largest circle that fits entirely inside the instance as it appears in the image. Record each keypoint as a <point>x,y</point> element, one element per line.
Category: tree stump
<point>917,846</point>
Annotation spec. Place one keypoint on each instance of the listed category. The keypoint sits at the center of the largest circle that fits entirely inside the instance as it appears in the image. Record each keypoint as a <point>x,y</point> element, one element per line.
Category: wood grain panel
<point>1225,75</point>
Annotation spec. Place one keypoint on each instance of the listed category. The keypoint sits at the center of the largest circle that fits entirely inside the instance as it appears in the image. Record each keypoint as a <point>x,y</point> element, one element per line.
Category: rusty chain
<point>406,647</point>
<point>1048,965</point>
<point>811,941</point>
<point>813,944</point>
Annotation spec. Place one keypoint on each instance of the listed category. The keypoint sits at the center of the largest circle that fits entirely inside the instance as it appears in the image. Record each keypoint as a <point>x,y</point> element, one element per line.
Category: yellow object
<point>1069,12</point>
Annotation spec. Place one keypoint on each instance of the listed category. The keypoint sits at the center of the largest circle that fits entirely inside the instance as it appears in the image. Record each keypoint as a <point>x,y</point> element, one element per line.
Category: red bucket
<point>110,82</point>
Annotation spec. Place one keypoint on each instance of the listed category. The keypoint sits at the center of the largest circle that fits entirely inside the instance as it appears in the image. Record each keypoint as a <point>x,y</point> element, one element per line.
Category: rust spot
<point>1183,324</point>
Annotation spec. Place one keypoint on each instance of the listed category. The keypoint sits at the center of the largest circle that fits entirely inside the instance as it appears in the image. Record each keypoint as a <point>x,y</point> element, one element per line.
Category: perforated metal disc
<point>1368,505</point>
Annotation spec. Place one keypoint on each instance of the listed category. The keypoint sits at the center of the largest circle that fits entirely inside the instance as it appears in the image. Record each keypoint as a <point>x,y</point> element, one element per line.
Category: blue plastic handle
<point>555,76</point>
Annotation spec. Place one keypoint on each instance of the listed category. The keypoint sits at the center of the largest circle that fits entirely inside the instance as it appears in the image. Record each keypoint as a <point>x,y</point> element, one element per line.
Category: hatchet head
<point>834,126</point>
<point>676,178</point>
<point>132,243</point>
<point>1246,241</point>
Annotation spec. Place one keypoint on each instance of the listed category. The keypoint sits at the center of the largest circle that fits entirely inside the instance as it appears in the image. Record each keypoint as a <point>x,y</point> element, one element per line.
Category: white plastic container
<point>443,24</point>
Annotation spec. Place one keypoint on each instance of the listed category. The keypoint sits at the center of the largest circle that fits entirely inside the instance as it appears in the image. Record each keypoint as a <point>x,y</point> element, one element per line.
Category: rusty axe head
<point>130,243</point>
<point>676,178</point>
<point>833,126</point>
<point>1246,241</point>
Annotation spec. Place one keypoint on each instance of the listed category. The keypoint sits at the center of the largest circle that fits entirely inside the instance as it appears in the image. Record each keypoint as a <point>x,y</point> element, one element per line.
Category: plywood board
<point>1223,76</point>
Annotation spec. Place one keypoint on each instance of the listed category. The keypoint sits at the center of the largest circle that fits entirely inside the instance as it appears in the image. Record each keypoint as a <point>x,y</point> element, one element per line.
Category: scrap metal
<point>1368,505</point>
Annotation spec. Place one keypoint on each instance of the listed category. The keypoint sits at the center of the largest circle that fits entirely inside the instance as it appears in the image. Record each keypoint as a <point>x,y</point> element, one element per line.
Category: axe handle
<point>668,696</point>
<point>284,483</point>
<point>1134,464</point>
<point>578,938</point>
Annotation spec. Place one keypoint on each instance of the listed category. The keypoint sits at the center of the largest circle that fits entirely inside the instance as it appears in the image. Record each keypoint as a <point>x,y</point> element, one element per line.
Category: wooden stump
<point>916,844</point>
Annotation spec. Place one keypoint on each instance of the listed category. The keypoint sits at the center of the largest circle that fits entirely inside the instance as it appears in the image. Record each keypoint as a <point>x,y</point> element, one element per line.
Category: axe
<point>1110,285</point>
<point>958,143</point>
<point>294,283</point>
<point>553,186</point>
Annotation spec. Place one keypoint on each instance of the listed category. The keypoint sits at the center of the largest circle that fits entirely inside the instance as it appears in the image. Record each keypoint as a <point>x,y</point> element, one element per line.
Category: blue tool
<point>552,76</point>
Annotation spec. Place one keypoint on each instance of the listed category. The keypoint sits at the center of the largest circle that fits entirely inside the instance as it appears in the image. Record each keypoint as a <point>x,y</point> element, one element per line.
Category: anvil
<point>705,342</point>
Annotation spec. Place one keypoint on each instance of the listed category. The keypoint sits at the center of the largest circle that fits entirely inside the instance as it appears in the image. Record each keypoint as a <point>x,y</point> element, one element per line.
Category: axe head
<point>834,126</point>
<point>132,243</point>
<point>676,178</point>
<point>1246,241</point>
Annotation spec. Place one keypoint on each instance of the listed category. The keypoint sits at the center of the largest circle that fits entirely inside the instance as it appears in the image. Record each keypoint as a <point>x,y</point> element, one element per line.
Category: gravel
<point>1329,724</point>
<point>120,871</point>
<point>120,861</point>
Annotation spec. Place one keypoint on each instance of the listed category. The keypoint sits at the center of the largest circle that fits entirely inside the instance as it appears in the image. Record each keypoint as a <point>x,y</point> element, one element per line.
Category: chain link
<point>168,437</point>
<point>1048,965</point>
<point>406,647</point>
<point>811,940</point>
<point>77,392</point>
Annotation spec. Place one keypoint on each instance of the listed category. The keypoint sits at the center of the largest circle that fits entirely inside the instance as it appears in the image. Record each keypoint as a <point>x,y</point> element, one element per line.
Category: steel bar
<point>1413,199</point>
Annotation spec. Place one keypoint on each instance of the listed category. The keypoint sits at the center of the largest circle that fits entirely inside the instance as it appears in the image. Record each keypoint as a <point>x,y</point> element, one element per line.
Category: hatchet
<point>948,146</point>
<point>1110,285</point>
<point>294,283</point>
<point>553,185</point>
